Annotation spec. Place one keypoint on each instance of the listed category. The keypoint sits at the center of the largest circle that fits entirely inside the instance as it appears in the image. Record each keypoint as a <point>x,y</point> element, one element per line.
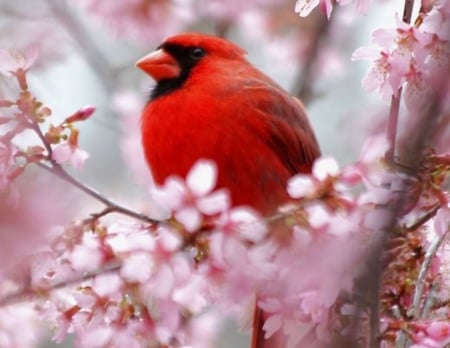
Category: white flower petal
<point>217,202</point>
<point>324,167</point>
<point>189,217</point>
<point>202,178</point>
<point>300,186</point>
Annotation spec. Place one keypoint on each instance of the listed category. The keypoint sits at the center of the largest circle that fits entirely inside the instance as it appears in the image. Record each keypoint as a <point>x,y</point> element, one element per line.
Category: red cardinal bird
<point>210,102</point>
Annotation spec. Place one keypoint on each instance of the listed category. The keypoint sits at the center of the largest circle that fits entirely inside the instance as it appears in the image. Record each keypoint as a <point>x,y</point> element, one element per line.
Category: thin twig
<point>24,294</point>
<point>112,206</point>
<point>395,101</point>
<point>94,56</point>
<point>392,126</point>
<point>429,301</point>
<point>424,218</point>
<point>303,88</point>
<point>414,311</point>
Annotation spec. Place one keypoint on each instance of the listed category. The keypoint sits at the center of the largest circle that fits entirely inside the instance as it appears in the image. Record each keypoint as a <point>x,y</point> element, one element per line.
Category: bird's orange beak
<point>160,65</point>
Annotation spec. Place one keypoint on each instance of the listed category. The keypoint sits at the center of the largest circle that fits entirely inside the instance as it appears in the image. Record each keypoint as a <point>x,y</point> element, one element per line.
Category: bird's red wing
<point>287,130</point>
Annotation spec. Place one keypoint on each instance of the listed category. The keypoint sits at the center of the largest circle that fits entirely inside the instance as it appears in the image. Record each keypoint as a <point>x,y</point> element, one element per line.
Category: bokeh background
<point>88,49</point>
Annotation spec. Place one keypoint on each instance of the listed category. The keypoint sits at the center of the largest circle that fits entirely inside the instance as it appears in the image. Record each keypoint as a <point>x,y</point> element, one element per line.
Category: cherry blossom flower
<point>189,200</point>
<point>302,185</point>
<point>69,152</point>
<point>65,153</point>
<point>13,60</point>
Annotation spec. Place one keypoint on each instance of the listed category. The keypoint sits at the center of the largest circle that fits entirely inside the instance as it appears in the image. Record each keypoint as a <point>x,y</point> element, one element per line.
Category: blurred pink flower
<point>439,331</point>
<point>302,185</point>
<point>7,152</point>
<point>26,224</point>
<point>13,60</point>
<point>304,7</point>
<point>144,21</point>
<point>66,153</point>
<point>20,327</point>
<point>87,256</point>
<point>128,105</point>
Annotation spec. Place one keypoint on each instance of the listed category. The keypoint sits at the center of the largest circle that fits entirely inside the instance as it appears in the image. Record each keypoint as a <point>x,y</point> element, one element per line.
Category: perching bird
<point>211,103</point>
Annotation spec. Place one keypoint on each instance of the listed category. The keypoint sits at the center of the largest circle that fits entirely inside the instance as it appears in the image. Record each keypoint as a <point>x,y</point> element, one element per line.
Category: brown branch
<point>25,294</point>
<point>415,310</point>
<point>424,218</point>
<point>392,126</point>
<point>111,206</point>
<point>303,88</point>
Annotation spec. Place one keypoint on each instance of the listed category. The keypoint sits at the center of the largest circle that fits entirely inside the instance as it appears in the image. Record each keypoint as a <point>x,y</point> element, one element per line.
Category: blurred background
<point>88,49</point>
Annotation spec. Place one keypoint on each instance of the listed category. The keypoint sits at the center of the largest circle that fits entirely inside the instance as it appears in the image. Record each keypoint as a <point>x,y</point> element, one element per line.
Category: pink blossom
<point>387,72</point>
<point>202,331</point>
<point>140,20</point>
<point>439,331</point>
<point>442,221</point>
<point>66,153</point>
<point>306,186</point>
<point>191,199</point>
<point>128,105</point>
<point>19,326</point>
<point>325,167</point>
<point>301,186</point>
<point>138,267</point>
<point>13,60</point>
<point>87,256</point>
<point>7,152</point>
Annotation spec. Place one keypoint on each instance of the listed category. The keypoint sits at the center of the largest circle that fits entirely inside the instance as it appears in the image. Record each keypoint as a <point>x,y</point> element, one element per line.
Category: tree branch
<point>112,206</point>
<point>25,293</point>
<point>415,310</point>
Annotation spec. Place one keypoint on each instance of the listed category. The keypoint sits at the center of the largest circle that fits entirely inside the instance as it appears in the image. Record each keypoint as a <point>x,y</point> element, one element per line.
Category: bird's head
<point>179,56</point>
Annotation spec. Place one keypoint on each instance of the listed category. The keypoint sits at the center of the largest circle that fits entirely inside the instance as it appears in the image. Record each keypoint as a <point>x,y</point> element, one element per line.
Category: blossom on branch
<point>69,152</point>
<point>190,200</point>
<point>304,7</point>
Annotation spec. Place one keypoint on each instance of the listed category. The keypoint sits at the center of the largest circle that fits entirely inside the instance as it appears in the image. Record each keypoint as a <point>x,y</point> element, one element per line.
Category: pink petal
<point>300,186</point>
<point>171,195</point>
<point>272,325</point>
<point>249,224</point>
<point>216,202</point>
<point>189,217</point>
<point>84,258</point>
<point>441,221</point>
<point>304,7</point>
<point>61,153</point>
<point>325,167</point>
<point>137,268</point>
<point>164,282</point>
<point>78,158</point>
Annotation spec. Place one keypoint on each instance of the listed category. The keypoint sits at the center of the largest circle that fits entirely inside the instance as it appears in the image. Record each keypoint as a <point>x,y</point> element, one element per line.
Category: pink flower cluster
<point>149,285</point>
<point>413,54</point>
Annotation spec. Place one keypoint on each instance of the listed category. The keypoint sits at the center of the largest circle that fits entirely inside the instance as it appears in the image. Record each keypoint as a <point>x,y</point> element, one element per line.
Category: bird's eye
<point>196,53</point>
